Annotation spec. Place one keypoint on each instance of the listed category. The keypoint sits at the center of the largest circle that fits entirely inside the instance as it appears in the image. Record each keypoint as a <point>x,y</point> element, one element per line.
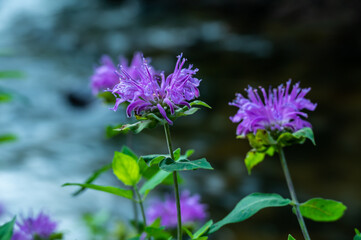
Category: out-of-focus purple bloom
<point>279,110</point>
<point>192,210</point>
<point>40,225</point>
<point>2,209</point>
<point>149,91</point>
<point>105,76</point>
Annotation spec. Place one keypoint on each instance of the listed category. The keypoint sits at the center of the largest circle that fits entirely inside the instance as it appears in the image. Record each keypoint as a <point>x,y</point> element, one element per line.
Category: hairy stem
<point>175,180</point>
<point>293,194</point>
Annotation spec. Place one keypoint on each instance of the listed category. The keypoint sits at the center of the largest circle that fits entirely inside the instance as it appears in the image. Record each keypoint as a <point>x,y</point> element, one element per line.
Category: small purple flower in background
<point>40,225</point>
<point>149,91</point>
<point>278,110</point>
<point>105,76</point>
<point>2,209</point>
<point>192,210</point>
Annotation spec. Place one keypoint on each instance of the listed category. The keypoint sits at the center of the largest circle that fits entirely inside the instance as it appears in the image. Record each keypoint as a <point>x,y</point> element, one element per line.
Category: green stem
<point>140,201</point>
<point>293,194</point>
<point>135,210</point>
<point>175,180</point>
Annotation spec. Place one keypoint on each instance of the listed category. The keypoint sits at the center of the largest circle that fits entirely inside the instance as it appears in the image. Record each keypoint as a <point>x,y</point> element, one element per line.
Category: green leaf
<point>261,140</point>
<point>190,111</point>
<point>358,235</point>
<point>136,127</point>
<point>153,158</point>
<point>203,229</point>
<point>252,159</point>
<point>189,153</point>
<point>188,232</point>
<point>299,137</point>
<point>11,74</point>
<point>249,206</point>
<point>290,237</point>
<point>322,210</point>
<point>5,97</point>
<point>56,236</point>
<point>305,133</point>
<point>126,150</point>
<point>170,181</point>
<point>156,230</point>
<point>184,165</point>
<point>107,97</point>
<point>7,138</point>
<point>126,169</point>
<point>200,103</point>
<point>108,189</point>
<point>6,230</point>
<point>177,154</point>
<point>153,182</point>
<point>92,178</point>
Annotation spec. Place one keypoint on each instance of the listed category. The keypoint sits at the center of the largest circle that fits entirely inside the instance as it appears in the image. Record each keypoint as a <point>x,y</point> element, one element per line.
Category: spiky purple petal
<point>149,91</point>
<point>279,109</point>
<point>40,225</point>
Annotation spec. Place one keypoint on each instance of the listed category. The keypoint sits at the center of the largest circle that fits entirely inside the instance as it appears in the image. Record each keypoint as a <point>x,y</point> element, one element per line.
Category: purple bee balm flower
<point>40,225</point>
<point>152,92</point>
<point>279,110</point>
<point>191,208</point>
<point>105,76</point>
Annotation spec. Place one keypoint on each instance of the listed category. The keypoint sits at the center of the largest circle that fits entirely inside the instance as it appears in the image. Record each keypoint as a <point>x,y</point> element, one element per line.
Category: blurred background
<point>60,126</point>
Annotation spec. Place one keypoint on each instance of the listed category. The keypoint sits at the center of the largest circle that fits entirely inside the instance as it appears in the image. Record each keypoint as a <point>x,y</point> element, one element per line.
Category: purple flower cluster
<point>40,225</point>
<point>149,91</point>
<point>105,76</point>
<point>191,208</point>
<point>279,110</point>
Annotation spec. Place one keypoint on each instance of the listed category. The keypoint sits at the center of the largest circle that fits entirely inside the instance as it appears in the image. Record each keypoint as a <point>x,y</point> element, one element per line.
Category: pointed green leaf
<point>252,159</point>
<point>200,103</point>
<point>177,154</point>
<point>290,237</point>
<point>94,176</point>
<point>153,182</point>
<point>11,74</point>
<point>189,153</point>
<point>305,133</point>
<point>126,169</point>
<point>184,165</point>
<point>203,229</point>
<point>136,127</point>
<point>299,137</point>
<point>108,189</point>
<point>7,138</point>
<point>322,210</point>
<point>190,111</point>
<point>187,231</point>
<point>6,230</point>
<point>153,158</point>
<point>358,235</point>
<point>249,206</point>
